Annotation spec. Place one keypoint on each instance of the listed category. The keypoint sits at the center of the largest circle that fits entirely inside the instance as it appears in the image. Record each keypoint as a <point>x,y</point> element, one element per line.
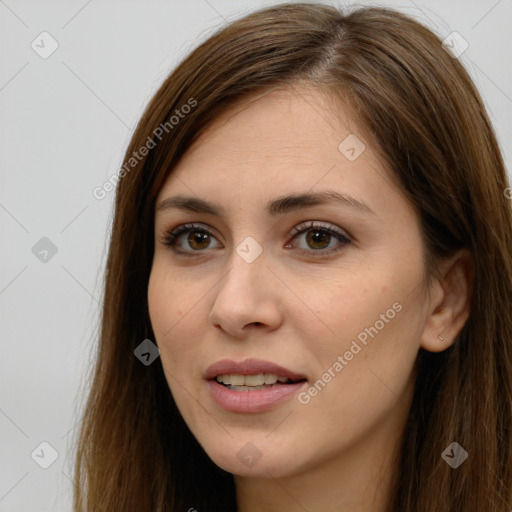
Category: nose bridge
<point>247,265</point>
<point>249,250</point>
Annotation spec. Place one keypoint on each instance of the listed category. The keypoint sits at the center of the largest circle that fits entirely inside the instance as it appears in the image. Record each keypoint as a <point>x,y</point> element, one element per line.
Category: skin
<point>296,309</point>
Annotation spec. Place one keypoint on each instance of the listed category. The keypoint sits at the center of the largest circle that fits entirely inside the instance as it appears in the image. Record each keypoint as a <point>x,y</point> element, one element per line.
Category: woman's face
<point>328,286</point>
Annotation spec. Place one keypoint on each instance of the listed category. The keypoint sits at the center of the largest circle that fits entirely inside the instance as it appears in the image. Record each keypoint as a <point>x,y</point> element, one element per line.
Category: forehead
<point>296,124</point>
<point>287,140</point>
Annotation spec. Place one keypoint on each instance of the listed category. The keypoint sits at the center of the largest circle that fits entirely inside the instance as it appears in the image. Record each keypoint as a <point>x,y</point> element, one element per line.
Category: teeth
<point>235,380</point>
<point>253,380</point>
<point>272,379</point>
<point>250,380</point>
<point>247,388</point>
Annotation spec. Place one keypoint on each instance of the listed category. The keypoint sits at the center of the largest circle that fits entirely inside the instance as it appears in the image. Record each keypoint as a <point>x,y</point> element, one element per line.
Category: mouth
<point>251,373</point>
<point>252,385</point>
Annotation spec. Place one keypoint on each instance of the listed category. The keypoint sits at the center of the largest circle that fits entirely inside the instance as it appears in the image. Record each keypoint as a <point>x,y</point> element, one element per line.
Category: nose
<point>247,297</point>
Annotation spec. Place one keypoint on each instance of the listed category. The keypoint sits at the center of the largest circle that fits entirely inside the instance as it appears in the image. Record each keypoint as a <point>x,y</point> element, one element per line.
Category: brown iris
<point>315,236</point>
<point>200,238</point>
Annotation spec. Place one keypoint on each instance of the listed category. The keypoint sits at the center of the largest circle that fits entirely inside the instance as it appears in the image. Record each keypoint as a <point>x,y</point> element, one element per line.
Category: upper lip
<point>250,367</point>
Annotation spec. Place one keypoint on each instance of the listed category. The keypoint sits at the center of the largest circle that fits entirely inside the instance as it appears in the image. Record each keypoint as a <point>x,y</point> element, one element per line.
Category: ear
<point>450,301</point>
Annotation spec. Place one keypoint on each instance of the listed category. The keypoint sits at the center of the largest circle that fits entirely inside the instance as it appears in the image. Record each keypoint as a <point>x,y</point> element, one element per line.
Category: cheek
<point>370,318</point>
<point>175,310</point>
<point>340,309</point>
<point>360,375</point>
<point>161,305</point>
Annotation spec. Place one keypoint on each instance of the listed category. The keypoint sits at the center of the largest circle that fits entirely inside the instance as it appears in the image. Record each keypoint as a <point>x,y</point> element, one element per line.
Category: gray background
<point>66,121</point>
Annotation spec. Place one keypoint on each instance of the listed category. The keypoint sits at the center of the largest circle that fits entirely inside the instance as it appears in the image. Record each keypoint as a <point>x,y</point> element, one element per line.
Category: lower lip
<point>252,401</point>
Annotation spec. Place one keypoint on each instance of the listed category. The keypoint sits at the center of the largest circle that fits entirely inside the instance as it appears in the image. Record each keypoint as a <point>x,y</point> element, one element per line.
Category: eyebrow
<point>278,206</point>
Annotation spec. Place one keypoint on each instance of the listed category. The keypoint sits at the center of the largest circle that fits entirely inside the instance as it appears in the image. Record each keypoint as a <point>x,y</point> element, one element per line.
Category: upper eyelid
<point>320,224</point>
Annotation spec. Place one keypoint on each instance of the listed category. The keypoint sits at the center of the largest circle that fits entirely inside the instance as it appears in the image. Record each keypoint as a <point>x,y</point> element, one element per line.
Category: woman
<point>307,296</point>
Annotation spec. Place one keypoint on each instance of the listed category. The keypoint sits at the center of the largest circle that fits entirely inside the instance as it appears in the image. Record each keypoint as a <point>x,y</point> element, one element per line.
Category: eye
<point>319,238</point>
<point>198,238</point>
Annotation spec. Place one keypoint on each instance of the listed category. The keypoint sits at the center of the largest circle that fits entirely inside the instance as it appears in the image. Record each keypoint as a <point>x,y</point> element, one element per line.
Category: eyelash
<point>170,238</point>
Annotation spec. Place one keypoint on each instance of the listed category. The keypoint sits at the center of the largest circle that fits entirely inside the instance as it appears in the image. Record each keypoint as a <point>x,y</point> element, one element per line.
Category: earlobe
<point>450,303</point>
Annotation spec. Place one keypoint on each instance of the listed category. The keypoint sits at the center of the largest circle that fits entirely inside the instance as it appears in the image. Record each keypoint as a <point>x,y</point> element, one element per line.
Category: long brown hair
<point>134,451</point>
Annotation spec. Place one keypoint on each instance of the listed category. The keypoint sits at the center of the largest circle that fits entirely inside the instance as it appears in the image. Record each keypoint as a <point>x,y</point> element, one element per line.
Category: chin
<point>259,459</point>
